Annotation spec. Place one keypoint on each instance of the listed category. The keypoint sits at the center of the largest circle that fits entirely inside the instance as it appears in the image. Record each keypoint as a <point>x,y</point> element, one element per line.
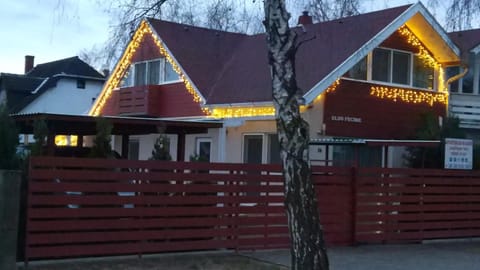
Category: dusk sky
<point>51,31</point>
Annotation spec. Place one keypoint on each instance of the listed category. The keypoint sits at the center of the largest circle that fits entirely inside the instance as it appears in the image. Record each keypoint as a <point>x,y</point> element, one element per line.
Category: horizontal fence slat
<point>92,207</point>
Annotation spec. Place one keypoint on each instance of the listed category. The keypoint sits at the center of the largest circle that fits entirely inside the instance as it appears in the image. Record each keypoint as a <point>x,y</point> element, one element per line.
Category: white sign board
<point>458,154</point>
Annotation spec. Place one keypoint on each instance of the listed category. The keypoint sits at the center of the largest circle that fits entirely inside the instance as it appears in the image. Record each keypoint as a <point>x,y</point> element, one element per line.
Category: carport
<point>82,125</point>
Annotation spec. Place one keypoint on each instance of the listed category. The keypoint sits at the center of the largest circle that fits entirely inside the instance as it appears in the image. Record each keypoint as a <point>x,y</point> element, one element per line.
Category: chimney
<point>305,19</point>
<point>29,61</point>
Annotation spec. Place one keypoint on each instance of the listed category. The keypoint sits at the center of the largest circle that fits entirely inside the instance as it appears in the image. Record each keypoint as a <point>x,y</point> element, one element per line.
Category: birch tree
<point>306,235</point>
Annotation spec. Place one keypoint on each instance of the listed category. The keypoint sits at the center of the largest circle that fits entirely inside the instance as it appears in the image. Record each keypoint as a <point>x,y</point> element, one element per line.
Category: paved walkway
<point>464,255</point>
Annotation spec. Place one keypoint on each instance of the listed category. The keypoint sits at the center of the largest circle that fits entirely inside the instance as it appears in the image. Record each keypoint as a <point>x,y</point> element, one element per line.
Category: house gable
<point>419,22</point>
<point>145,45</point>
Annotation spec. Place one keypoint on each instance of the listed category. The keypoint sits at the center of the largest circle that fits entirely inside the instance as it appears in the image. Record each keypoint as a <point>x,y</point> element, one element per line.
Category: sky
<point>55,29</point>
<point>48,29</point>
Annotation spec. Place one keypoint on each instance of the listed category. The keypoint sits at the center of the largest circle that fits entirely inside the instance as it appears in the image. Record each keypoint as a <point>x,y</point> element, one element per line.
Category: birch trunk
<point>306,236</point>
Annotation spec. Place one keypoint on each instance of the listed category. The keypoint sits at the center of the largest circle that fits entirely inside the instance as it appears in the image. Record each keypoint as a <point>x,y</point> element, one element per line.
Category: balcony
<point>467,108</point>
<point>168,100</point>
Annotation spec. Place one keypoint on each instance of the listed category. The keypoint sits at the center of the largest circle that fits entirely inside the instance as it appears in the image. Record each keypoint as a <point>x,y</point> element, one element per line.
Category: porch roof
<point>86,125</point>
<point>375,142</point>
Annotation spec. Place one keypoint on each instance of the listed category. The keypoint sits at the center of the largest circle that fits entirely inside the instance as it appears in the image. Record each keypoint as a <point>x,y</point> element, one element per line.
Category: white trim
<point>374,42</point>
<point>40,86</point>
<point>178,63</point>
<point>476,50</point>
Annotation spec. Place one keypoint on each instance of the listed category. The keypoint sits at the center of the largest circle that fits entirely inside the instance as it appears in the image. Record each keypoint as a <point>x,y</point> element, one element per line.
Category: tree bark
<point>306,235</point>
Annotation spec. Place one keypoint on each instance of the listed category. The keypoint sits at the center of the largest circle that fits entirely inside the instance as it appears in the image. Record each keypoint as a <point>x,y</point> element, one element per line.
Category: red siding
<point>380,118</point>
<point>147,50</point>
<point>111,106</point>
<point>172,100</point>
<point>399,42</point>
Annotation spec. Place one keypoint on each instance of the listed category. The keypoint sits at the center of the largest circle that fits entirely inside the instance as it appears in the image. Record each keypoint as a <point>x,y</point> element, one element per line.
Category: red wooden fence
<point>404,205</point>
<point>92,207</point>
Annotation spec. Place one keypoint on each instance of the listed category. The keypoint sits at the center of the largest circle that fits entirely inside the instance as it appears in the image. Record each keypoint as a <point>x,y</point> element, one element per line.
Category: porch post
<point>50,144</point>
<point>222,144</point>
<point>181,147</point>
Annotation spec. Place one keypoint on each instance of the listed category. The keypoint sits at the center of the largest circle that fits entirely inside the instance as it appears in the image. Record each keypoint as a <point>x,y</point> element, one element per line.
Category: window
<point>467,82</point>
<point>140,72</point>
<point>152,72</point>
<point>401,67</point>
<point>391,66</point>
<point>422,74</point>
<point>454,86</point>
<point>81,83</point>
<point>261,148</point>
<point>359,71</point>
<point>204,146</point>
<point>252,149</point>
<point>273,149</point>
<point>381,65</point>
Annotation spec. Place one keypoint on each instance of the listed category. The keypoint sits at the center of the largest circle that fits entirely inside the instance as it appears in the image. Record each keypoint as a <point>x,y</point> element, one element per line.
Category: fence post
<point>353,188</point>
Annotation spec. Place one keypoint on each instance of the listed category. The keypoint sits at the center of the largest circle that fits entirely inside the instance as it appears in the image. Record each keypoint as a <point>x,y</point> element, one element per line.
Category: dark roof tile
<point>233,68</point>
<point>70,66</point>
<point>466,40</point>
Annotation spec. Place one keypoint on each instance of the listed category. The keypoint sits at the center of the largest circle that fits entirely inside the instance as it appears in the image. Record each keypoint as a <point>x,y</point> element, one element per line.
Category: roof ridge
<point>196,26</point>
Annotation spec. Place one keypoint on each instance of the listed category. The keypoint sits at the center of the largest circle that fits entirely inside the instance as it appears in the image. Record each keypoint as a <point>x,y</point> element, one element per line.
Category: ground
<point>189,261</point>
<point>445,255</point>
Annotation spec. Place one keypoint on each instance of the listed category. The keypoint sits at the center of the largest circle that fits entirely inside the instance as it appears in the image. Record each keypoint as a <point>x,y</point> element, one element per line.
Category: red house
<point>362,77</point>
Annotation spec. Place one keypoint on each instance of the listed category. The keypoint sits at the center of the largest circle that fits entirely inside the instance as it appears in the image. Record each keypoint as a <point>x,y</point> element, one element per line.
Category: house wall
<point>66,98</point>
<point>146,143</point>
<point>236,131</point>
<point>351,111</point>
<point>213,135</point>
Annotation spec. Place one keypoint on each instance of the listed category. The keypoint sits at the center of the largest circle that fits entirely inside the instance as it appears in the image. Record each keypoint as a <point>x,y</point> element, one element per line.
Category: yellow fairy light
<point>423,53</point>
<point>409,95</point>
<point>65,140</point>
<point>122,68</point>
<point>235,112</point>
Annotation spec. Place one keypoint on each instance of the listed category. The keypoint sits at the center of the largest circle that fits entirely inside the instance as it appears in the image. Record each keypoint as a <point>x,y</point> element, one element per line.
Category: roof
<point>232,68</point>
<point>19,88</point>
<point>228,67</point>
<point>19,83</point>
<point>467,40</point>
<point>23,89</point>
<point>86,125</point>
<point>71,66</point>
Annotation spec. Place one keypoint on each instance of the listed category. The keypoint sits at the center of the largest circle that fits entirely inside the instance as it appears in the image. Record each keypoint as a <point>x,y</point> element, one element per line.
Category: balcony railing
<point>467,108</point>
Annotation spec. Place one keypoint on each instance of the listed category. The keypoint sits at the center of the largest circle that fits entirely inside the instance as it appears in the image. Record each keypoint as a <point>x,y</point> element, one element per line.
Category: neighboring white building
<point>66,86</point>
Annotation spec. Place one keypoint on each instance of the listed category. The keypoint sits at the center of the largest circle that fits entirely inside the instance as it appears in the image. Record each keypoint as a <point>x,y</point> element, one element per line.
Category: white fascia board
<point>178,64</point>
<point>40,86</point>
<point>363,51</point>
